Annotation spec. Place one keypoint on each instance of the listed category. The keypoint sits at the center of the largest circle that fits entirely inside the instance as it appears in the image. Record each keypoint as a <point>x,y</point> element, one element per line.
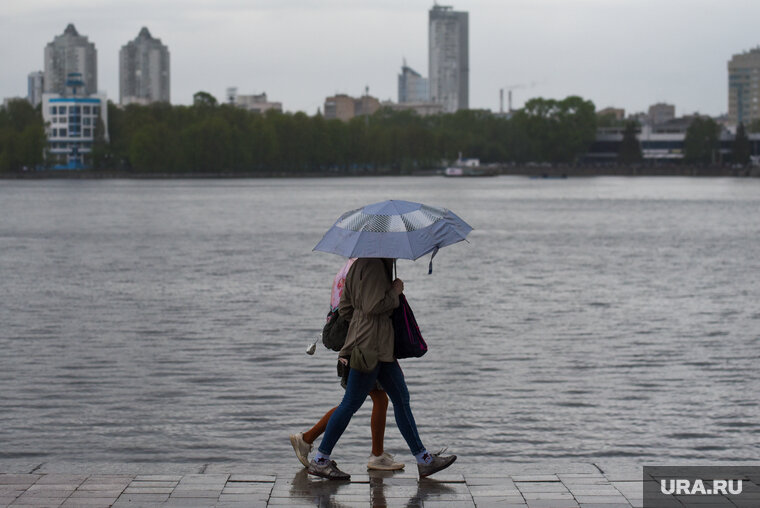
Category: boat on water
<point>455,171</point>
<point>468,167</point>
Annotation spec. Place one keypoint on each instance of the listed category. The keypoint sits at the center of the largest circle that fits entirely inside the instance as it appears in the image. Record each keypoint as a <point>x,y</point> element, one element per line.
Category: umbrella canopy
<point>393,229</point>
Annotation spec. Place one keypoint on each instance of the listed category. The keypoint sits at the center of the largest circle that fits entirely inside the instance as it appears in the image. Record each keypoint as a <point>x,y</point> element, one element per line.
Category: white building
<point>34,87</point>
<point>448,58</point>
<point>255,103</point>
<point>70,53</point>
<point>144,71</point>
<point>71,121</point>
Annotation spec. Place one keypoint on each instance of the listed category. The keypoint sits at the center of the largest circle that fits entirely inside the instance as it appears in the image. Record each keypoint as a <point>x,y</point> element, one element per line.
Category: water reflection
<point>319,491</point>
<point>385,488</point>
<point>393,491</point>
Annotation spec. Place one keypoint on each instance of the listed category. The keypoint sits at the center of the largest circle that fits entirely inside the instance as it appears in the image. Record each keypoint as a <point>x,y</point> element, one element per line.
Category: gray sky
<point>622,53</point>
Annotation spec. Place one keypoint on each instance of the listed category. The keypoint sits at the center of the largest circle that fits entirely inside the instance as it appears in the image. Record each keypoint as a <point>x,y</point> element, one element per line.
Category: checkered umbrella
<point>393,229</point>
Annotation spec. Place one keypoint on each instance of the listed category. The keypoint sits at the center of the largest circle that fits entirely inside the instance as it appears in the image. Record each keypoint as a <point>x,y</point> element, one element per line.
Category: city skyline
<point>302,51</point>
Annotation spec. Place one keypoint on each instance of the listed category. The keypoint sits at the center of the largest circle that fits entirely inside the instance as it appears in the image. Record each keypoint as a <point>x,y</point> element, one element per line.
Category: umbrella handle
<point>430,266</point>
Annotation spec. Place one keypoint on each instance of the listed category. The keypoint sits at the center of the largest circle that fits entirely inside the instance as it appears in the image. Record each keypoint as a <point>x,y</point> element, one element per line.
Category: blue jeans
<point>359,384</point>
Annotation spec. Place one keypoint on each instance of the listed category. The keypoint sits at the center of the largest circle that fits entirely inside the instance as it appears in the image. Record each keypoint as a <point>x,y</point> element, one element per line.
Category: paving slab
<point>535,478</point>
<point>95,502</point>
<point>14,479</point>
<point>157,478</point>
<point>601,499</point>
<point>194,486</point>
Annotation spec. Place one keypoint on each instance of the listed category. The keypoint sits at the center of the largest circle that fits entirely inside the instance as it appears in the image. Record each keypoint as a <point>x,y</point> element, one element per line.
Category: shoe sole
<point>394,467</point>
<point>439,470</point>
<point>294,442</point>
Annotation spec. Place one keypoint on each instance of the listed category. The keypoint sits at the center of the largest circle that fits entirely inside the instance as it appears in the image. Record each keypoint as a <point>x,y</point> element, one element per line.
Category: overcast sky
<point>622,53</point>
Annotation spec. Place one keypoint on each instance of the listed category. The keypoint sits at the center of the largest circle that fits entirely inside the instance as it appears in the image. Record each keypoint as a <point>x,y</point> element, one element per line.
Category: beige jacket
<point>367,303</point>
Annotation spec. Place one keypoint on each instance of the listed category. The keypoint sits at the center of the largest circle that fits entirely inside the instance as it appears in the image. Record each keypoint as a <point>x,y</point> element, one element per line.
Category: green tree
<point>701,142</point>
<point>630,148</point>
<point>22,136</point>
<point>204,99</point>
<point>741,149</point>
<point>557,131</point>
<point>101,154</point>
<point>153,149</point>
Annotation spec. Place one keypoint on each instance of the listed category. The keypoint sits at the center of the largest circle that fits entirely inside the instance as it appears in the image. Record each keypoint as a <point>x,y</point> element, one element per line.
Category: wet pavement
<point>216,485</point>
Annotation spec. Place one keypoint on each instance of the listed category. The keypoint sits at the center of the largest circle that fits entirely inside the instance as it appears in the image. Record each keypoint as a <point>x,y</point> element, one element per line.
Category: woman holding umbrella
<point>378,234</point>
<point>368,300</point>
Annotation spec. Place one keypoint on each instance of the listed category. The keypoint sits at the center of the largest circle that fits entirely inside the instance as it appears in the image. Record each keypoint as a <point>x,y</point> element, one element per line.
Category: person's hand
<point>398,286</point>
<point>344,361</point>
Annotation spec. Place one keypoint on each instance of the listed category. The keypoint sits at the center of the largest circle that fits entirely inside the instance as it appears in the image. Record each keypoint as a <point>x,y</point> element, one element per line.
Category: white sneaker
<point>384,463</point>
<point>301,447</point>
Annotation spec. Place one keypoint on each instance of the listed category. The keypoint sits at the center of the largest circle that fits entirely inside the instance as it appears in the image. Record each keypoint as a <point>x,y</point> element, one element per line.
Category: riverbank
<point>218,485</point>
<point>533,171</point>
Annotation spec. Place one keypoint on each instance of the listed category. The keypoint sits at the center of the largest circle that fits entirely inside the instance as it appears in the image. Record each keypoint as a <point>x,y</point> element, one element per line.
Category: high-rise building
<point>412,87</point>
<point>744,87</point>
<point>70,53</point>
<point>448,58</point>
<point>144,70</point>
<point>34,87</point>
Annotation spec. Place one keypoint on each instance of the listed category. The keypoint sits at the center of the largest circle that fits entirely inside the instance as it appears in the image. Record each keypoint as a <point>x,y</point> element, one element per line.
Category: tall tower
<point>448,58</point>
<point>70,53</point>
<point>144,75</point>
<point>744,87</point>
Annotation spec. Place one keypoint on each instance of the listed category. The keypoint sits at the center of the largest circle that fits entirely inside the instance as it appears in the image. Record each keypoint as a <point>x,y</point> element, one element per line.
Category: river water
<point>590,319</point>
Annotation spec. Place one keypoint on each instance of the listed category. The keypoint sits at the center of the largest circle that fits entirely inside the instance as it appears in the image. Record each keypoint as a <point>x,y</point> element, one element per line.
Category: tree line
<point>208,137</point>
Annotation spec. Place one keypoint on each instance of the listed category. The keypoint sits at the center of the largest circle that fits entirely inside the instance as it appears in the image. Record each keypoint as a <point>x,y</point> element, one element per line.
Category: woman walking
<point>367,302</point>
<point>379,459</point>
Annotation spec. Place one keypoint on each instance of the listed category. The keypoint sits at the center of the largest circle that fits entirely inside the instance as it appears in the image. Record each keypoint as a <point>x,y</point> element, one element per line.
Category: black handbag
<point>408,341</point>
<point>335,331</point>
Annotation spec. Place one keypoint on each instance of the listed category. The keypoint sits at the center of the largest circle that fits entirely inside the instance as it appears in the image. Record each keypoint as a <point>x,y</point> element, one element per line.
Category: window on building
<point>54,132</point>
<point>76,110</point>
<point>53,110</point>
<point>62,133</point>
<point>61,110</point>
<point>95,110</point>
<point>86,120</point>
<point>86,110</point>
<point>87,132</point>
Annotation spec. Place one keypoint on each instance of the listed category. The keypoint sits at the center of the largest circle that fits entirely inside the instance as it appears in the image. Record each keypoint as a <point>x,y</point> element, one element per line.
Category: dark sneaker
<point>328,470</point>
<point>436,465</point>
